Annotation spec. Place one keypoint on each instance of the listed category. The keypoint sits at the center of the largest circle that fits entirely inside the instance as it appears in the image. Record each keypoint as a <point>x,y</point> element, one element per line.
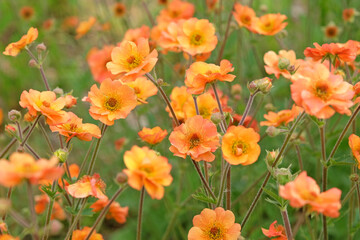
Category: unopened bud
<point>160,81</point>
<point>291,69</point>
<point>58,91</point>
<point>263,8</point>
<point>283,175</point>
<point>61,154</point>
<point>236,89</point>
<point>269,107</point>
<point>56,227</point>
<point>70,101</point>
<point>272,131</point>
<point>217,118</point>
<point>271,157</point>
<point>11,130</point>
<point>33,63</point>
<point>41,47</point>
<point>121,178</point>
<point>263,85</point>
<point>252,86</point>
<point>14,115</point>
<point>354,177</point>
<point>283,63</point>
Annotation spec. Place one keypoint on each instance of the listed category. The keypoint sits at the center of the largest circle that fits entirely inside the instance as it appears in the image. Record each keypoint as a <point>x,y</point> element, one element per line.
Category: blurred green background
<point>66,67</point>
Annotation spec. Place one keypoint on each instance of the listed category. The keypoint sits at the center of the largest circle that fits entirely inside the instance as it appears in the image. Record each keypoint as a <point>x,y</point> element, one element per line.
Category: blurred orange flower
<point>346,53</point>
<point>84,27</point>
<point>272,59</point>
<point>211,4</point>
<point>284,117</point>
<point>145,168</point>
<point>82,234</point>
<point>41,202</point>
<point>197,137</point>
<point>70,22</point>
<point>249,122</point>
<point>244,16</point>
<point>48,23</point>
<point>176,10</point>
<point>112,101</point>
<point>152,135</point>
<point>354,143</point>
<point>331,31</point>
<point>26,12</point>
<point>206,103</point>
<point>214,224</point>
<point>198,36</point>
<point>22,166</point>
<point>132,60</point>
<point>275,230</point>
<point>75,128</point>
<point>201,73</point>
<point>14,48</point>
<point>305,191</point>
<point>45,103</point>
<point>1,116</point>
<point>134,34</point>
<point>115,211</point>
<point>70,100</point>
<point>143,89</point>
<point>322,93</point>
<point>240,145</point>
<point>119,9</point>
<point>8,237</point>
<point>120,143</point>
<point>349,14</point>
<point>269,24</point>
<point>87,186</point>
<point>74,173</point>
<point>97,60</point>
<point>168,37</point>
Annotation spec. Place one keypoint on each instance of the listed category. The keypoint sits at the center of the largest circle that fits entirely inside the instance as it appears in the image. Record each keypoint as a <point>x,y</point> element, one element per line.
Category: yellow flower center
<point>246,19</point>
<point>46,104</point>
<point>73,127</point>
<point>133,61</point>
<point>322,91</point>
<point>112,104</point>
<point>215,233</point>
<point>137,90</point>
<point>205,112</point>
<point>194,141</point>
<point>196,39</point>
<point>239,148</point>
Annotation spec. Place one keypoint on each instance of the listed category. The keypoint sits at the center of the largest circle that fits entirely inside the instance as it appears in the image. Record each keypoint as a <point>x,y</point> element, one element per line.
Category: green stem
<point>75,220</point>
<point>287,225</point>
<point>324,175</point>
<point>141,204</point>
<point>96,151</point>
<point>85,159</point>
<point>203,180</point>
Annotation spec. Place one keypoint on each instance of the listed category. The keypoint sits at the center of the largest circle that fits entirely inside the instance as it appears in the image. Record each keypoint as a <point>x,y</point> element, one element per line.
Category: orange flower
<point>132,60</point>
<point>244,16</point>
<point>215,224</point>
<point>115,212</point>
<point>48,23</point>
<point>304,191</point>
<point>168,36</point>
<point>196,137</point>
<point>201,73</point>
<point>74,173</point>
<point>143,89</point>
<point>41,202</point>
<point>271,60</point>
<point>82,234</point>
<point>87,186</point>
<point>8,237</point>
<point>152,136</point>
<point>331,31</point>
<point>27,12</point>
<point>22,166</point>
<point>240,145</point>
<point>133,35</point>
<point>70,101</point>
<point>119,9</point>
<point>70,22</point>
<point>211,4</point>
<point>354,143</point>
<point>349,14</point>
<point>269,24</point>
<point>281,118</point>
<point>45,103</point>
<point>112,101</point>
<point>97,60</point>
<point>198,36</point>
<point>206,103</point>
<point>75,128</point>
<point>1,116</point>
<point>175,11</point>
<point>145,168</point>
<point>346,53</point>
<point>275,230</point>
<point>14,48</point>
<point>321,93</point>
<point>179,96</point>
<point>249,122</point>
<point>84,27</point>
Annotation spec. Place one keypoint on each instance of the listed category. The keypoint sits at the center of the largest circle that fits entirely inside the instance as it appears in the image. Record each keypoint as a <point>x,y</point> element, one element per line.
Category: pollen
<point>133,61</point>
<point>196,39</point>
<point>112,104</point>
<point>194,141</point>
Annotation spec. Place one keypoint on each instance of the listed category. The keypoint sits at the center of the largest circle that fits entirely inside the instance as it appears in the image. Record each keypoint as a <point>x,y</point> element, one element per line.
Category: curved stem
<point>141,203</point>
<point>30,131</point>
<point>41,69</point>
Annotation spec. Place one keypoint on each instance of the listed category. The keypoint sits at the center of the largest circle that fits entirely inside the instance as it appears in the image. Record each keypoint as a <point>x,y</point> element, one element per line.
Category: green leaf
<point>202,197</point>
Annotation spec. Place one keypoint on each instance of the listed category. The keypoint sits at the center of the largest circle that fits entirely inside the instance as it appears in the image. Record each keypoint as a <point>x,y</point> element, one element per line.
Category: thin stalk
<point>46,137</point>
<point>298,153</point>
<point>348,195</point>
<point>19,130</point>
<point>148,13</point>
<point>287,225</point>
<point>245,193</point>
<point>266,180</point>
<point>74,223</point>
<point>30,131</point>
<point>41,69</point>
<point>28,147</point>
<point>222,185</point>
<point>61,142</point>
<point>358,195</point>
<point>141,203</point>
<point>95,153</point>
<point>8,197</point>
<point>11,143</point>
<point>19,219</point>
<point>228,189</point>
<point>196,105</point>
<point>105,209</point>
<point>222,123</point>
<point>86,158</point>
<point>203,180</point>
<point>32,209</point>
<point>247,108</point>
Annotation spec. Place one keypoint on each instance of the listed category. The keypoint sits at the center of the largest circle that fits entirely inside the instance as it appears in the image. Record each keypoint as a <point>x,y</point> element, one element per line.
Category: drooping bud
<point>283,63</point>
<point>33,63</point>
<point>263,85</point>
<point>58,91</point>
<point>217,118</point>
<point>121,178</point>
<point>61,154</point>
<point>272,131</point>
<point>55,227</point>
<point>291,69</point>
<point>354,177</point>
<point>271,157</point>
<point>14,115</point>
<point>41,47</point>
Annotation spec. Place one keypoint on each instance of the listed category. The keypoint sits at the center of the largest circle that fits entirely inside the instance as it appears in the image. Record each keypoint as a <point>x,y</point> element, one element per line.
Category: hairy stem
<point>287,225</point>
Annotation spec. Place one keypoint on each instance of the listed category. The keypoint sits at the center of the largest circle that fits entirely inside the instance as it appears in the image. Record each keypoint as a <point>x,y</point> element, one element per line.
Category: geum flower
<point>14,48</point>
<point>115,211</point>
<point>83,233</point>
<point>354,144</point>
<point>75,128</point>
<point>272,60</point>
<point>198,36</point>
<point>322,93</point>
<point>45,103</point>
<point>244,16</point>
<point>304,191</point>
<point>41,203</point>
<point>84,27</point>
<point>269,24</point>
<point>143,89</point>
<point>206,103</point>
<point>218,224</point>
<point>275,231</point>
<point>133,35</point>
<point>87,186</point>
<point>132,60</point>
<point>22,166</point>
<point>175,11</point>
<point>179,96</point>
<point>283,117</point>
<point>201,73</point>
<point>114,100</point>
<point>346,53</point>
<point>240,145</point>
<point>197,137</point>
<point>145,168</point>
<point>152,135</point>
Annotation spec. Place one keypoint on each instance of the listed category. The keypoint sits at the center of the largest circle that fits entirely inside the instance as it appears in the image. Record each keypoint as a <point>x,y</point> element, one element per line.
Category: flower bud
<point>11,130</point>
<point>283,63</point>
<point>283,175</point>
<point>61,154</point>
<point>291,69</point>
<point>58,91</point>
<point>216,118</point>
<point>236,89</point>
<point>121,178</point>
<point>70,101</point>
<point>252,86</point>
<point>14,115</point>
<point>354,177</point>
<point>33,63</point>
<point>41,47</point>
<point>271,157</point>
<point>272,131</point>
<point>55,227</point>
<point>263,85</point>
<point>263,8</point>
<point>269,107</point>
<point>160,81</point>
